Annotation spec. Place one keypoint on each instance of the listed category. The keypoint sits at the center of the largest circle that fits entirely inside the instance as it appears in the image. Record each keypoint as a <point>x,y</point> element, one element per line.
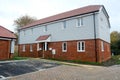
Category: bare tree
<point>23,21</point>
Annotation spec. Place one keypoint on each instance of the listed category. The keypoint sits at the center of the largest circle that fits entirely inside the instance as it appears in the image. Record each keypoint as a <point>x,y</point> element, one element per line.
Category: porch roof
<point>43,38</point>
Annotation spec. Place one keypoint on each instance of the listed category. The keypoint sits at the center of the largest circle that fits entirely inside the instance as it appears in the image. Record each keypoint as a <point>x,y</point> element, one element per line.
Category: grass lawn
<point>19,58</point>
<point>115,60</point>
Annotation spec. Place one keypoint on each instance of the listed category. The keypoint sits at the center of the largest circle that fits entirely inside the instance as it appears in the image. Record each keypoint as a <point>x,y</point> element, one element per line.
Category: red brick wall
<point>71,54</point>
<point>27,52</point>
<point>4,49</point>
<point>103,55</point>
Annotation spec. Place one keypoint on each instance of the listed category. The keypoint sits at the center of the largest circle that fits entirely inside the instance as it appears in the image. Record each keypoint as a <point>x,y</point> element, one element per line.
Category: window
<point>24,32</point>
<point>64,47</point>
<point>37,46</point>
<point>23,48</point>
<point>45,28</point>
<point>102,46</point>
<point>64,25</point>
<point>81,46</point>
<point>101,19</point>
<point>31,30</point>
<point>31,48</point>
<point>79,22</point>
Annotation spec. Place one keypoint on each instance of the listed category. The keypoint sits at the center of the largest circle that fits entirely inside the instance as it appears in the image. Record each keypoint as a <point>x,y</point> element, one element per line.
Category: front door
<point>42,49</point>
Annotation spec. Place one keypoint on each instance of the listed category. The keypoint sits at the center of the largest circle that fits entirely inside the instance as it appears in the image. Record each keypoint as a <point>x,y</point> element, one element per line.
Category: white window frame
<point>63,47</point>
<point>31,48</point>
<point>102,46</point>
<point>23,47</point>
<point>63,24</point>
<point>79,22</point>
<point>80,46</point>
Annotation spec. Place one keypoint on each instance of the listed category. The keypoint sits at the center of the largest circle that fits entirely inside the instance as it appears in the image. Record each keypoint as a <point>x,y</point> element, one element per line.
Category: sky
<point>10,10</point>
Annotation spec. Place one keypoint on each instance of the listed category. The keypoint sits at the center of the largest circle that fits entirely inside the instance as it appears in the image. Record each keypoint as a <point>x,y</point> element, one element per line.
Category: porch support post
<point>45,46</point>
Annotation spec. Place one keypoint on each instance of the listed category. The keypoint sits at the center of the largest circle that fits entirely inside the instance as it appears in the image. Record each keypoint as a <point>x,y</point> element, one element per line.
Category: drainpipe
<point>95,37</point>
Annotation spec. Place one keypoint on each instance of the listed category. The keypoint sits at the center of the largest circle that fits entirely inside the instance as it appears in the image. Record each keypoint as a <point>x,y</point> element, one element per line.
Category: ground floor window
<point>81,46</point>
<point>64,47</point>
<point>102,46</point>
<point>31,48</point>
<point>23,48</point>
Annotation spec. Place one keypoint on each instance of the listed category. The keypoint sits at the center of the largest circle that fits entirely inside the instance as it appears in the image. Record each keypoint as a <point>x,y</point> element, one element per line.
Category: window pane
<point>78,45</point>
<point>78,22</point>
<point>64,46</point>
<point>64,24</point>
<point>31,47</point>
<point>102,46</point>
<point>81,21</point>
<point>83,46</point>
<point>45,29</point>
<point>23,48</point>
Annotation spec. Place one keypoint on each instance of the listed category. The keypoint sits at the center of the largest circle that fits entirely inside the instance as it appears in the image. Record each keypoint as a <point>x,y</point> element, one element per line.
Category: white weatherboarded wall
<point>71,32</point>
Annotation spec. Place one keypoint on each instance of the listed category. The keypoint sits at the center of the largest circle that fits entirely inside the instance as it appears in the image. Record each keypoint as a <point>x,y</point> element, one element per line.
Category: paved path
<point>79,72</point>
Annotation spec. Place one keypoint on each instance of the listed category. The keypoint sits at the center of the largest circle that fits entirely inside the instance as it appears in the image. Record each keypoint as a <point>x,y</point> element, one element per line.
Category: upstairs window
<point>102,46</point>
<point>31,30</point>
<point>64,25</point>
<point>24,33</point>
<point>31,48</point>
<point>45,28</point>
<point>64,47</point>
<point>79,22</point>
<point>81,46</point>
<point>23,48</point>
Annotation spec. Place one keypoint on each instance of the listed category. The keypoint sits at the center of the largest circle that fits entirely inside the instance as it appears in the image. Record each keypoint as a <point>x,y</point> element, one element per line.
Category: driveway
<point>47,70</point>
<point>78,72</point>
<point>15,68</point>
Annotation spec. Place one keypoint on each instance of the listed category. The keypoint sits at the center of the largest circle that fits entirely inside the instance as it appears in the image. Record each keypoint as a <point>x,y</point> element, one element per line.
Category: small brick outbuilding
<point>7,42</point>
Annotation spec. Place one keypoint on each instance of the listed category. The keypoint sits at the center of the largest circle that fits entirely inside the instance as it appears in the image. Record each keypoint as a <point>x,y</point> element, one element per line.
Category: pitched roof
<point>75,12</point>
<point>6,33</point>
<point>44,37</point>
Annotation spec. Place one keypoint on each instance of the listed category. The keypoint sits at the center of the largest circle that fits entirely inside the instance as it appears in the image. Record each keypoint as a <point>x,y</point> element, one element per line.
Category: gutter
<point>95,37</point>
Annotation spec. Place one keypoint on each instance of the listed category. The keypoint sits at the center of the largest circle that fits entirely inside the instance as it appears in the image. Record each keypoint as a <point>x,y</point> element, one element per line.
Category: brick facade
<point>72,53</point>
<point>5,49</point>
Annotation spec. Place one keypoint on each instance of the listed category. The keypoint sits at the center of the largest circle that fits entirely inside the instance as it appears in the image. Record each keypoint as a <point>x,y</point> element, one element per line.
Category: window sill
<point>31,51</point>
<point>102,50</point>
<point>64,51</point>
<point>81,51</point>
